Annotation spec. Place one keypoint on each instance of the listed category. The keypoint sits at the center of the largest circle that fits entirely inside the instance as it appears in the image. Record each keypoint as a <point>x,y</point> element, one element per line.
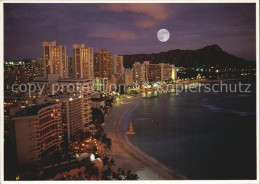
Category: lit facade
<point>154,72</point>
<point>18,72</point>
<point>54,59</point>
<point>38,133</point>
<point>85,91</point>
<point>102,64</point>
<point>83,61</point>
<point>144,72</point>
<point>117,64</point>
<point>139,72</point>
<point>72,117</point>
<point>129,76</point>
<point>82,87</point>
<point>37,66</point>
<point>70,66</point>
<point>101,84</point>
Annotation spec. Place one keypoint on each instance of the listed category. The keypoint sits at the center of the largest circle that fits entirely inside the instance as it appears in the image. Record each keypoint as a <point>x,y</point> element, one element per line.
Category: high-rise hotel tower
<point>83,61</point>
<point>103,64</point>
<point>54,59</point>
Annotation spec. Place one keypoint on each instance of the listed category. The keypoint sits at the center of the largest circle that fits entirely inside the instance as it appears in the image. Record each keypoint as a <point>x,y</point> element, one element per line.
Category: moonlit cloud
<point>115,35</point>
<point>151,13</point>
<point>145,22</point>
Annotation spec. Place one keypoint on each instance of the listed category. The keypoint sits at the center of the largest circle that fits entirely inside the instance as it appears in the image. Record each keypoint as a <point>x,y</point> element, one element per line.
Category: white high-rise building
<point>72,116</point>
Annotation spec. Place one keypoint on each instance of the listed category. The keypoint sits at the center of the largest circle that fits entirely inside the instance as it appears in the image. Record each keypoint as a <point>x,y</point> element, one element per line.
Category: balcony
<point>36,159</point>
<point>34,134</point>
<point>35,151</point>
<point>36,147</point>
<point>34,138</point>
<point>33,124</point>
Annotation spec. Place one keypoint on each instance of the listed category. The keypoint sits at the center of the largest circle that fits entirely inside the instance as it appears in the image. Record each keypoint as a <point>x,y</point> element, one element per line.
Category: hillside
<point>211,55</point>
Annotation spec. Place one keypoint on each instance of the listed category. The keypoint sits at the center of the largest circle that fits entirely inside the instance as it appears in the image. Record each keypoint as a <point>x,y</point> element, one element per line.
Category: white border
<point>257,181</point>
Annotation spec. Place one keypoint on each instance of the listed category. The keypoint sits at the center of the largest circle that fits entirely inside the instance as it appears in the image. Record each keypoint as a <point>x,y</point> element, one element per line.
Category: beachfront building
<point>72,114</point>
<point>83,61</point>
<point>129,75</point>
<point>118,70</point>
<point>102,64</point>
<point>117,64</point>
<point>70,87</point>
<point>83,88</point>
<point>154,72</point>
<point>139,72</point>
<point>54,59</point>
<point>143,72</point>
<point>37,133</point>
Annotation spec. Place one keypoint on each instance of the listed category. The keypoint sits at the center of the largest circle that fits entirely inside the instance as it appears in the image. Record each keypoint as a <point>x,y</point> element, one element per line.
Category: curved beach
<point>126,155</point>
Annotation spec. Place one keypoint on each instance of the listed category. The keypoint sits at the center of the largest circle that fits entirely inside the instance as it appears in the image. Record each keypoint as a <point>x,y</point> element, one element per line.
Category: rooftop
<point>32,110</point>
<point>68,97</point>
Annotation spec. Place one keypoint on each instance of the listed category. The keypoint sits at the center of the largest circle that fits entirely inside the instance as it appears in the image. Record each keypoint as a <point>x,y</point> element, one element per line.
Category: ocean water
<point>200,135</point>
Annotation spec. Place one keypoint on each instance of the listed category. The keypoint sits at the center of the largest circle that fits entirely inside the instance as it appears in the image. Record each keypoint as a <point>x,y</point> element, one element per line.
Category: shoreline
<point>127,155</point>
<point>225,80</point>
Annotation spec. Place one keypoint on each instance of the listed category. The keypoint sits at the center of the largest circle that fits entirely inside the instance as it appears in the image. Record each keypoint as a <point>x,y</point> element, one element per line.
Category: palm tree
<point>106,174</point>
<point>105,161</point>
<point>112,162</point>
<point>108,162</point>
<point>106,141</point>
<point>91,170</point>
<point>131,176</point>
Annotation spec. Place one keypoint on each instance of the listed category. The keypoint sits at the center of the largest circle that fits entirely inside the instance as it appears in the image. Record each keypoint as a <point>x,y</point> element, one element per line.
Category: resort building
<point>129,78</point>
<point>37,133</point>
<point>102,64</point>
<point>70,66</point>
<point>154,72</point>
<point>83,88</point>
<point>83,61</point>
<point>144,72</point>
<point>117,64</point>
<point>140,71</point>
<point>72,117</point>
<point>70,87</point>
<point>54,59</point>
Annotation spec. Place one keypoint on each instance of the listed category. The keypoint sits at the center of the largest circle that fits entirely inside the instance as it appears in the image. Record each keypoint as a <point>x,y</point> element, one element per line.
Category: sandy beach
<point>126,155</point>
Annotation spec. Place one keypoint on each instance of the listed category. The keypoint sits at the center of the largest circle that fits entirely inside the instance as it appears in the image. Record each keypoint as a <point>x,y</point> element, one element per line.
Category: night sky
<point>128,28</point>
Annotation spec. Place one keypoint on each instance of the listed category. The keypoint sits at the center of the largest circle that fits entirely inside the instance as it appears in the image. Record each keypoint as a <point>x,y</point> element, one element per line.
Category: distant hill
<point>211,55</point>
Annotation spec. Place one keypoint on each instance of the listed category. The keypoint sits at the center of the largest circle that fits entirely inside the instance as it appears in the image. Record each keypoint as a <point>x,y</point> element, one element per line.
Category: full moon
<point>163,35</point>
